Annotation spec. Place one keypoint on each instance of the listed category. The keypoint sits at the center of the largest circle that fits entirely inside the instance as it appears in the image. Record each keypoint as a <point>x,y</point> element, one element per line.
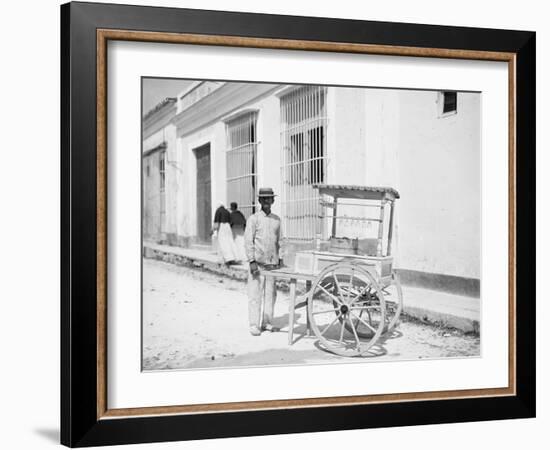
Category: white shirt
<point>262,238</point>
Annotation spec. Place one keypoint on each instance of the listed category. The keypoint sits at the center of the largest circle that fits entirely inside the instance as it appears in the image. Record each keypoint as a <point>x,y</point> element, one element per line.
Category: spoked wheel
<point>393,299</point>
<point>346,309</point>
<point>393,295</point>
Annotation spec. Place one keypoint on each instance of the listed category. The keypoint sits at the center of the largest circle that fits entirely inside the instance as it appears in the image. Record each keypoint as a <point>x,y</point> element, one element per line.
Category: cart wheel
<point>393,298</point>
<point>346,309</point>
<point>393,295</point>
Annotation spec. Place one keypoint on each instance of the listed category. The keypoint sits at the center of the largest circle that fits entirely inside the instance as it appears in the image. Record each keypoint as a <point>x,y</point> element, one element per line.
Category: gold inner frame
<point>104,35</point>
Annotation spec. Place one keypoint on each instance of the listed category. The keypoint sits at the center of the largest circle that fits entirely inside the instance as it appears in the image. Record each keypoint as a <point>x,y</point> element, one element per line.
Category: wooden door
<point>204,197</point>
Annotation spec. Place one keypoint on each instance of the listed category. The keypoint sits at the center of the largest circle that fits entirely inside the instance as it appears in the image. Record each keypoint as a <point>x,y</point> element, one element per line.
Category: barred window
<point>162,170</point>
<point>241,162</point>
<point>447,103</point>
<point>162,196</point>
<point>304,159</point>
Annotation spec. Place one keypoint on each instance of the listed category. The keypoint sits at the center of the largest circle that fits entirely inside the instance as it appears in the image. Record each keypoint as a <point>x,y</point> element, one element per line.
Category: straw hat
<point>266,192</point>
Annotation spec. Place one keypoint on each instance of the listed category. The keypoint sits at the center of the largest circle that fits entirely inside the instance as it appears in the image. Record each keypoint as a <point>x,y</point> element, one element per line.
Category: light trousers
<point>260,288</point>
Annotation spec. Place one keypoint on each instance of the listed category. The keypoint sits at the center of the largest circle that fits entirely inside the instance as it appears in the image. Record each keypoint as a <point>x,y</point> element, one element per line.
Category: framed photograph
<point>278,224</point>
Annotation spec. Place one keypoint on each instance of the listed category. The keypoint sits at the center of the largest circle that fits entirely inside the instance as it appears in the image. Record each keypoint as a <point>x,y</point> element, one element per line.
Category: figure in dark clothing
<point>237,218</point>
<point>222,215</point>
<point>238,224</point>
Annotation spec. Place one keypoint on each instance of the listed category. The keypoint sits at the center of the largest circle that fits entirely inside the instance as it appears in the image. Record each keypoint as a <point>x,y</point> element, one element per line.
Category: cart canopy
<point>359,192</point>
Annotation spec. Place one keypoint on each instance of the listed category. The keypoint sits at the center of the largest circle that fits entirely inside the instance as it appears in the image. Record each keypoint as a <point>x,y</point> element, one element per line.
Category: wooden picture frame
<point>86,419</point>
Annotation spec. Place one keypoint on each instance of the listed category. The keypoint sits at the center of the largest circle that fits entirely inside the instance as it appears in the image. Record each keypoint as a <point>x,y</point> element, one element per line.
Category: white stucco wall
<point>346,135</point>
<point>374,137</point>
<point>439,180</point>
<point>269,147</point>
<point>397,138</point>
<point>434,163</point>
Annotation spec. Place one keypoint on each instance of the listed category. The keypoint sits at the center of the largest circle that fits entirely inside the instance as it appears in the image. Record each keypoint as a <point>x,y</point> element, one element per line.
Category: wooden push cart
<point>352,293</point>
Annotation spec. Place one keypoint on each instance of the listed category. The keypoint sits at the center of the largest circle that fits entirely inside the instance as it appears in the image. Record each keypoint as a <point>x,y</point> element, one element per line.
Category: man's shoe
<point>270,328</point>
<point>255,331</point>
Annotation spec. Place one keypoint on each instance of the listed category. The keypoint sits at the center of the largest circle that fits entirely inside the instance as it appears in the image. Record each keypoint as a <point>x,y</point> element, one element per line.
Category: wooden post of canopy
<point>390,231</point>
<point>334,214</point>
<point>381,228</point>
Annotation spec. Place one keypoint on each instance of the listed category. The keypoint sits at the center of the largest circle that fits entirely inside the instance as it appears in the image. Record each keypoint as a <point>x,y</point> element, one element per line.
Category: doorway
<point>204,195</point>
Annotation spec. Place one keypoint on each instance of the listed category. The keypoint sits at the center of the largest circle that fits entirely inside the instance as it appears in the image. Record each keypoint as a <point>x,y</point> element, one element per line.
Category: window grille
<point>241,162</point>
<point>304,159</point>
<point>449,102</point>
<point>162,197</point>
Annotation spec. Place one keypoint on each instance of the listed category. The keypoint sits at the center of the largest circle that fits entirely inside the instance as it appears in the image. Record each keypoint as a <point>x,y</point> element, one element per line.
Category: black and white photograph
<point>297,224</point>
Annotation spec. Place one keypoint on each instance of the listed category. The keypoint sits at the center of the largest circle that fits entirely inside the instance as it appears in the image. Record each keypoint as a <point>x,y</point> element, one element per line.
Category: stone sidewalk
<point>436,307</point>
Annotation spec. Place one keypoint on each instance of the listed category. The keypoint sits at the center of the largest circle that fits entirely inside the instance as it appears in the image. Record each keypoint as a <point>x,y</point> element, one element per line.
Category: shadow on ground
<point>49,434</point>
<point>275,357</point>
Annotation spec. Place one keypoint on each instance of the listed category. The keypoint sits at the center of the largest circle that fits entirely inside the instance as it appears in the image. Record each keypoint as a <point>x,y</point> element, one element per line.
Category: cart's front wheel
<point>346,309</point>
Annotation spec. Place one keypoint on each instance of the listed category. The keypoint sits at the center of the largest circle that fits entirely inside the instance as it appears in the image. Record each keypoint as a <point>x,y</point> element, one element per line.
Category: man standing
<point>262,246</point>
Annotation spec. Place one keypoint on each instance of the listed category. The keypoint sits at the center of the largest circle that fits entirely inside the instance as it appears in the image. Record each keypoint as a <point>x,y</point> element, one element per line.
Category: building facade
<point>218,142</point>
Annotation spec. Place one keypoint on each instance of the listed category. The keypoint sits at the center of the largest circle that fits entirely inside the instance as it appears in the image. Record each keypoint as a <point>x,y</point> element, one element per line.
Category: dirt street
<point>196,319</point>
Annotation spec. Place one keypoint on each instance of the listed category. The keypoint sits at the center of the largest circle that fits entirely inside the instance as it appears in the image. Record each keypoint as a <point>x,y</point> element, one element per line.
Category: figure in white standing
<point>222,229</point>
